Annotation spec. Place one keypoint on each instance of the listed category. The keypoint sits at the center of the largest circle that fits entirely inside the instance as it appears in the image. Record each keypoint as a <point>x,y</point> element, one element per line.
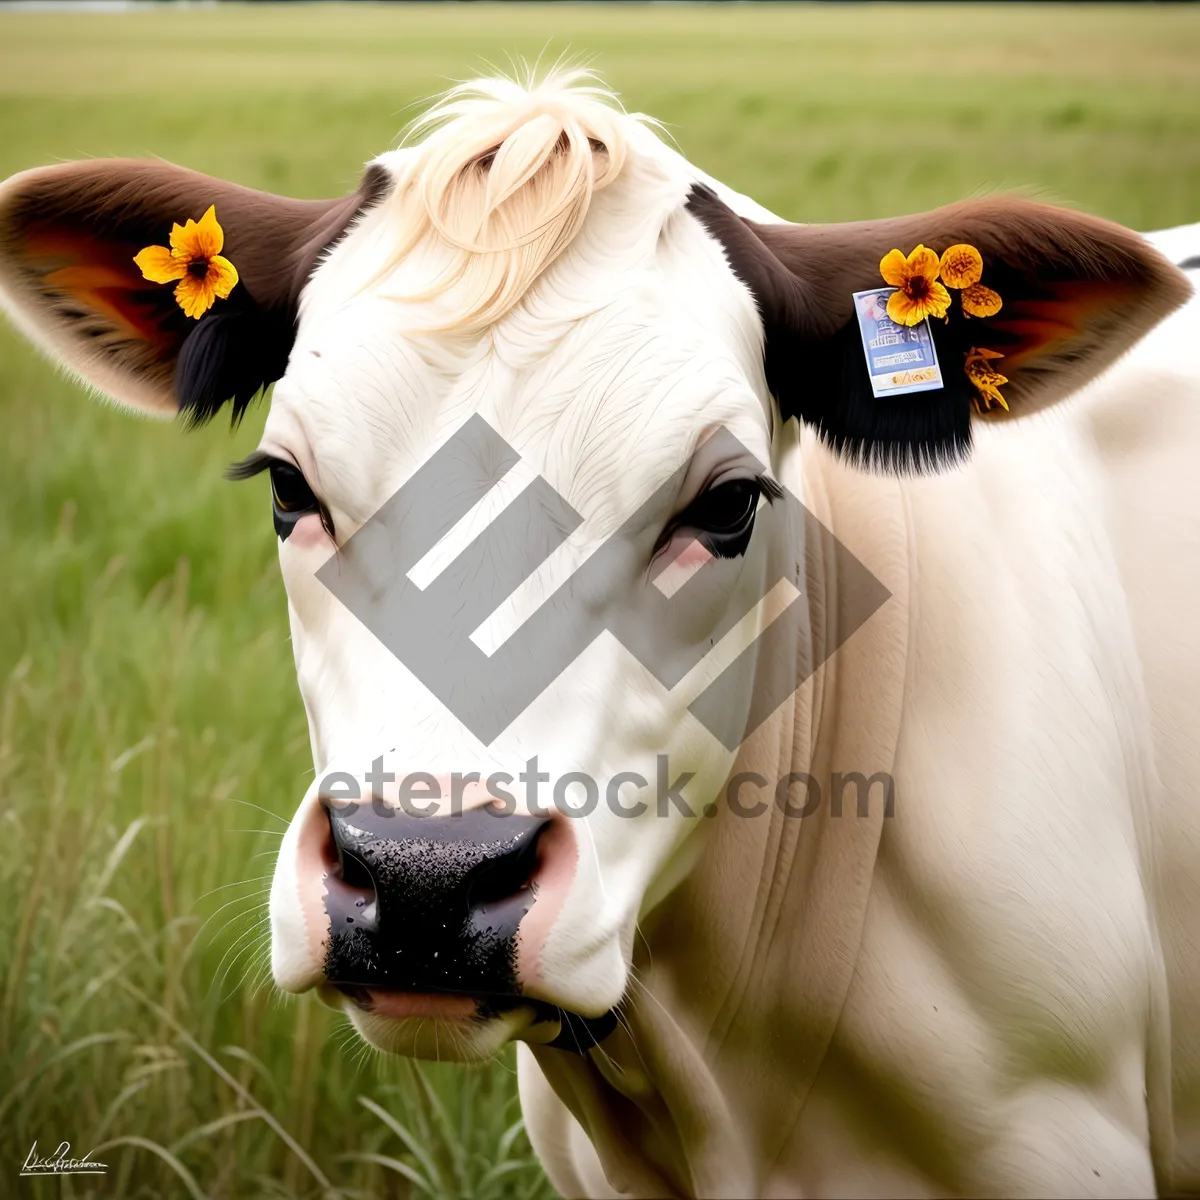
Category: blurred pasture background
<point>152,742</point>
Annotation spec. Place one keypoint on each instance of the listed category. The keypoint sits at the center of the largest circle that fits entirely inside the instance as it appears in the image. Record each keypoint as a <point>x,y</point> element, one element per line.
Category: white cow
<point>995,989</point>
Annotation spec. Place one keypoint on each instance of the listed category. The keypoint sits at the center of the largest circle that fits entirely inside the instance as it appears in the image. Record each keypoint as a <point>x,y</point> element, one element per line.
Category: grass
<point>152,742</point>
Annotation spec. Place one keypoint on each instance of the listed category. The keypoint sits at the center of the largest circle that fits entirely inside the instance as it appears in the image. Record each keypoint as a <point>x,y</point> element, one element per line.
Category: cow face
<point>525,452</point>
<point>632,416</point>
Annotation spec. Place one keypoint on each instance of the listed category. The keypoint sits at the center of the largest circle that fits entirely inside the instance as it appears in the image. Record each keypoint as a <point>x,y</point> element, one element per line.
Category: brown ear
<point>68,235</point>
<point>1077,292</point>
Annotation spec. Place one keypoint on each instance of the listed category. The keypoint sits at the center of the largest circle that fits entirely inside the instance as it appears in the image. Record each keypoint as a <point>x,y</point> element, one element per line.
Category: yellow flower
<point>194,259</point>
<point>980,301</point>
<point>986,379</point>
<point>919,295</point>
<point>962,266</point>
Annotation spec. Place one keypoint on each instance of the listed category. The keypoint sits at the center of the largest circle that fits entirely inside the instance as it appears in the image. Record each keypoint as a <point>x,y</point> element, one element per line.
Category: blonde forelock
<point>500,181</point>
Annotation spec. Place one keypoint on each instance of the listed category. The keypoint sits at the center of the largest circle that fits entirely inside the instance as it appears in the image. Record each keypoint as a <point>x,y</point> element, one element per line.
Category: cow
<point>968,962</point>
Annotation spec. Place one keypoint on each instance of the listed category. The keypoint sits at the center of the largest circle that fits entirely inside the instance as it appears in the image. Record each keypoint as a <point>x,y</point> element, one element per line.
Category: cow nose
<point>428,904</point>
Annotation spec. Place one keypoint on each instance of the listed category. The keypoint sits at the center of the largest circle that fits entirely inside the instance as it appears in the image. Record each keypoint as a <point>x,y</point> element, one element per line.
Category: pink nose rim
<point>438,917</point>
<point>459,904</point>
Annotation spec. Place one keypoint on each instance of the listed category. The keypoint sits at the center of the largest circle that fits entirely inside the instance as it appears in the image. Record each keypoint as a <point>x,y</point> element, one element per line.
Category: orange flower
<point>980,301</point>
<point>194,259</point>
<point>986,379</point>
<point>961,266</point>
<point>919,295</point>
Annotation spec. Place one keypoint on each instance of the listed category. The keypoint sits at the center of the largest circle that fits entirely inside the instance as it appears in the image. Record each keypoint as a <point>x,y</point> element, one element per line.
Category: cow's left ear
<point>68,237</point>
<point>1077,292</point>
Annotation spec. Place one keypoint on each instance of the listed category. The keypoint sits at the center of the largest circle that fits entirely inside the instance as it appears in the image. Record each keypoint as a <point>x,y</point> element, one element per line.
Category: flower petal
<point>181,240</point>
<point>903,310</point>
<point>938,300</point>
<point>210,237</point>
<point>989,394</point>
<point>962,265</point>
<point>159,265</point>
<point>908,310</point>
<point>923,261</point>
<point>894,268</point>
<point>198,239</point>
<point>195,296</point>
<point>981,301</point>
<point>222,275</point>
<point>986,379</point>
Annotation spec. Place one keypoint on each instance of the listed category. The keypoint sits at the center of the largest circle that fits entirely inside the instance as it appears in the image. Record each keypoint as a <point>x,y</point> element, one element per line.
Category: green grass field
<point>152,741</point>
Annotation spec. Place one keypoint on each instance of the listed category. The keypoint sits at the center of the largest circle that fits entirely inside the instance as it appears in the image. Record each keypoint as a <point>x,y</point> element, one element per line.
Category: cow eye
<point>722,517</point>
<point>291,497</point>
<point>725,509</point>
<point>290,491</point>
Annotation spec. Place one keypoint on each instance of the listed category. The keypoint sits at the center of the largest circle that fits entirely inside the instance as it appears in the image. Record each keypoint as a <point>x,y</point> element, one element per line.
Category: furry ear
<point>1077,292</point>
<point>68,235</point>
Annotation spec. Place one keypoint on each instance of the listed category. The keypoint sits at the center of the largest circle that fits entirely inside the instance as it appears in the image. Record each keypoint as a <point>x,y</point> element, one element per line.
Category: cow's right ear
<point>68,236</point>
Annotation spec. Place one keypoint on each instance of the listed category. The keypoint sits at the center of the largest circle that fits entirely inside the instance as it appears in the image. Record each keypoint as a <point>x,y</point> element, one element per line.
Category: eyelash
<point>284,476</point>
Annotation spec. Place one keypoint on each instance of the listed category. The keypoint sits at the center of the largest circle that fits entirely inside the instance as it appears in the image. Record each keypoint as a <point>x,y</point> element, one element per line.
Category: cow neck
<point>741,973</point>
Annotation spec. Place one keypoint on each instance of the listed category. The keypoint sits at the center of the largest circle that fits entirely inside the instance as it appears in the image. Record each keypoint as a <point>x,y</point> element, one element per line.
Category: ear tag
<point>900,358</point>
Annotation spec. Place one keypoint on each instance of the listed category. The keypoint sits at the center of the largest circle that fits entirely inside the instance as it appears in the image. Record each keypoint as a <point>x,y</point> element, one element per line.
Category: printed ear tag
<point>900,358</point>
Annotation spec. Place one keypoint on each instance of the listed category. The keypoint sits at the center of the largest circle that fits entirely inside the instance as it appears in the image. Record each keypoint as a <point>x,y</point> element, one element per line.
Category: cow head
<point>535,379</point>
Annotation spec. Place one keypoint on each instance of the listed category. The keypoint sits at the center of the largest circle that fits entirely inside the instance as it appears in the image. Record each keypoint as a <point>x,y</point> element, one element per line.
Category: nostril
<point>353,871</point>
<point>350,893</point>
<point>508,874</point>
